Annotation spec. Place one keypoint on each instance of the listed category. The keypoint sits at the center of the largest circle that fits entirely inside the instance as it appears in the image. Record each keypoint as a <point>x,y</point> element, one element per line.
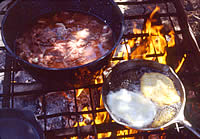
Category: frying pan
<point>24,12</point>
<point>128,73</point>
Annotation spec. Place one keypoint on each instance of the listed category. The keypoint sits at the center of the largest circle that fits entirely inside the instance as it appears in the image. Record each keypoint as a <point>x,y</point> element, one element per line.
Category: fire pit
<point>155,30</point>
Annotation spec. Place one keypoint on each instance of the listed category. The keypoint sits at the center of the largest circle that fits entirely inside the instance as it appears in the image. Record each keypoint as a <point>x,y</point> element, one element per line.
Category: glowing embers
<point>151,43</point>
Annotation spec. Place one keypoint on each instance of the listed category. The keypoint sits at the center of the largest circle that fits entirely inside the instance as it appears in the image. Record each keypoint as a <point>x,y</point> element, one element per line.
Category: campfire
<point>150,47</point>
<point>153,44</point>
<point>79,112</point>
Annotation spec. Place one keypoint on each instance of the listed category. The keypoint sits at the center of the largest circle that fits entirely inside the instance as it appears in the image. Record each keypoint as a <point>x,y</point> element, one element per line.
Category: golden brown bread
<point>164,116</point>
<point>159,88</point>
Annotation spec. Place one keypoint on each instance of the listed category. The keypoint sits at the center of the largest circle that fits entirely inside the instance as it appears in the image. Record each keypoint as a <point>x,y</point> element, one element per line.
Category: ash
<point>55,103</point>
<point>2,66</point>
<point>2,59</point>
<point>23,77</point>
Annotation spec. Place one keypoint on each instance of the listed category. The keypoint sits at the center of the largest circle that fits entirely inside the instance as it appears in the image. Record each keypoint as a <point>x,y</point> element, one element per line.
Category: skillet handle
<point>189,126</point>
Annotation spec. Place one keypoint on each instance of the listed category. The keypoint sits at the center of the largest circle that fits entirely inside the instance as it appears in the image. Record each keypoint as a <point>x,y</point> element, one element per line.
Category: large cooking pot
<point>127,75</point>
<point>23,12</point>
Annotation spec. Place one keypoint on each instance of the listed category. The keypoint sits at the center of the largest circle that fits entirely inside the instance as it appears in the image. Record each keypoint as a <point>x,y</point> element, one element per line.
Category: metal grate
<point>60,110</point>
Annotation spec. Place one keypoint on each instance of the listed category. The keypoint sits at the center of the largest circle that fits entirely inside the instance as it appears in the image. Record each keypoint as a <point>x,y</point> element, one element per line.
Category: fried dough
<point>159,88</point>
<point>164,117</point>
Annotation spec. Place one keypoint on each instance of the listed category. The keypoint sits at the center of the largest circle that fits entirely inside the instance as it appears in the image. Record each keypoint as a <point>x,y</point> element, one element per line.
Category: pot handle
<point>189,126</point>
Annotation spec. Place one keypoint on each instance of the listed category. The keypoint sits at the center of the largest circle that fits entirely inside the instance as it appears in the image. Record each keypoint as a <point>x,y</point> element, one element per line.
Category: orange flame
<point>102,117</point>
<point>79,91</point>
<point>127,132</point>
<point>123,53</point>
<point>180,63</point>
<point>153,45</point>
<point>99,79</point>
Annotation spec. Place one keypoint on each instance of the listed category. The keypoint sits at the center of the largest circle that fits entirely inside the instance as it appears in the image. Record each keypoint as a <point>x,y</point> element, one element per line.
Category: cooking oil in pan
<point>149,102</point>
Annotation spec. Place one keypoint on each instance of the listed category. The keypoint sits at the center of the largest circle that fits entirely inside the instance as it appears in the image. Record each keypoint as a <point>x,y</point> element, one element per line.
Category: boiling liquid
<point>65,39</point>
<point>138,107</point>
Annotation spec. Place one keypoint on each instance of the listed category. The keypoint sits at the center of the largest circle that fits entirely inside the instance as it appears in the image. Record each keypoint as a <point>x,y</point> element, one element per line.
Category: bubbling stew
<point>64,39</point>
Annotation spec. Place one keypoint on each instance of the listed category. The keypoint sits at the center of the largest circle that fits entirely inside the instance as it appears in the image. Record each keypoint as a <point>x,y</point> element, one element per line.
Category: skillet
<point>127,74</point>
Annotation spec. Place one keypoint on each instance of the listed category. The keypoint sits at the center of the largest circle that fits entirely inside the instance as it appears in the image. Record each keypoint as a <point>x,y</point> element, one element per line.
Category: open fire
<point>151,47</point>
<point>81,111</point>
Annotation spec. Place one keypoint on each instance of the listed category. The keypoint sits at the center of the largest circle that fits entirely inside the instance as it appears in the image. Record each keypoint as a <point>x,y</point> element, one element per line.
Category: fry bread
<point>159,88</point>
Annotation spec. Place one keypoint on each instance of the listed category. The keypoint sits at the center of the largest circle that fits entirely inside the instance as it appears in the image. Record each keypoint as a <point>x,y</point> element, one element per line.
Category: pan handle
<point>189,126</point>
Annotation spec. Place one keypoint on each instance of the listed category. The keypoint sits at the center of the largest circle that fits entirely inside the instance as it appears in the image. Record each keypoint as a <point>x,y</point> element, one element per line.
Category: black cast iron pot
<point>23,12</point>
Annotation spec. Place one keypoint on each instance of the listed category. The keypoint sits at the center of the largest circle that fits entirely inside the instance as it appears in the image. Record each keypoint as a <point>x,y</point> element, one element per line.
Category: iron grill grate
<point>31,94</point>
